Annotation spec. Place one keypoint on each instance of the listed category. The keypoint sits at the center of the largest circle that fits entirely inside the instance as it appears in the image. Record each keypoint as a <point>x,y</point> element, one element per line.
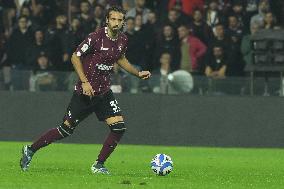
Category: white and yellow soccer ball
<point>162,164</point>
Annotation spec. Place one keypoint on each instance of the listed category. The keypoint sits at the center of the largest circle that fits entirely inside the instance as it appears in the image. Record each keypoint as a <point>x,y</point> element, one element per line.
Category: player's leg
<point>78,110</point>
<point>109,111</point>
<point>48,137</point>
<point>62,131</point>
<point>117,129</point>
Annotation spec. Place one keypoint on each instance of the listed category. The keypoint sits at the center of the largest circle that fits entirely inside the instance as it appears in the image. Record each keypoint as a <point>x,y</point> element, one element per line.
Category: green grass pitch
<point>68,166</point>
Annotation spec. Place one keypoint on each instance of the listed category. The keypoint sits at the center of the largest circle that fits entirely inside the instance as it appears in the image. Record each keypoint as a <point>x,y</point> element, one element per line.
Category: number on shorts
<point>114,106</point>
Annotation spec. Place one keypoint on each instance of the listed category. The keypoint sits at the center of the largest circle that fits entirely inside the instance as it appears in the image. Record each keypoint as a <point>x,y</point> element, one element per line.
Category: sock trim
<point>59,132</point>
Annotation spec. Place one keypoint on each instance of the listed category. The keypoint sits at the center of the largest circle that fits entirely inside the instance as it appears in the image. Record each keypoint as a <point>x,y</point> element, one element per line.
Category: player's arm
<point>83,49</point>
<point>77,64</point>
<point>124,63</point>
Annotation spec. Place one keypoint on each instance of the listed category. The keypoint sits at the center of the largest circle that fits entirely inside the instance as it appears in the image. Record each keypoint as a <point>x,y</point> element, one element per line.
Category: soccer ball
<point>162,164</point>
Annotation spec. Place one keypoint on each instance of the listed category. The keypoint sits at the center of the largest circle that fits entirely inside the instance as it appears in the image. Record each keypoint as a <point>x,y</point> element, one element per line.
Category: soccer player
<point>93,62</point>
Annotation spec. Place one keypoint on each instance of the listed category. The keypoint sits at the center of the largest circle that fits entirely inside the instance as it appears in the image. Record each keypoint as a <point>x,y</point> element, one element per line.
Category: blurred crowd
<point>201,37</point>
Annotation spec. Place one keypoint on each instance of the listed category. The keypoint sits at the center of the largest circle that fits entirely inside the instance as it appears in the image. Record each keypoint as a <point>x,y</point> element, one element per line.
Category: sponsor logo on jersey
<point>104,67</point>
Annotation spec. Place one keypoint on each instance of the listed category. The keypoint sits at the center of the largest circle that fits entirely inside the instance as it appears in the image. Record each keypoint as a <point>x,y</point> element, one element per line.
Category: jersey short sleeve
<point>86,46</point>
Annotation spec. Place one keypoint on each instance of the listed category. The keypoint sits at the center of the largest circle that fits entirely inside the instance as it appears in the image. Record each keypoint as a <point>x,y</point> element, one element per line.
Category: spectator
<point>225,6</point>
<point>236,64</point>
<point>75,35</point>
<point>152,18</point>
<point>169,43</point>
<point>216,65</point>
<point>213,15</point>
<point>192,50</point>
<point>9,16</point>
<point>258,19</point>
<point>200,28</point>
<point>98,17</point>
<point>246,46</point>
<point>85,17</point>
<point>151,32</point>
<point>139,47</point>
<point>165,69</point>
<point>43,12</point>
<point>153,26</point>
<point>37,47</point>
<point>251,6</point>
<point>139,9</point>
<point>136,47</point>
<point>269,21</point>
<point>58,44</point>
<point>165,63</point>
<point>42,79</point>
<point>18,45</point>
<point>235,31</point>
<point>130,25</point>
<point>220,39</point>
<point>128,4</point>
<point>242,17</point>
<point>162,9</point>
<point>74,8</point>
<point>186,6</point>
<point>159,81</point>
<point>176,19</point>
<point>25,11</point>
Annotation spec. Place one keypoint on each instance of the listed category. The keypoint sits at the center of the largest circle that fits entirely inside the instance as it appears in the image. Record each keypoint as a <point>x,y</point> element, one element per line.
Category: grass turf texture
<point>68,166</point>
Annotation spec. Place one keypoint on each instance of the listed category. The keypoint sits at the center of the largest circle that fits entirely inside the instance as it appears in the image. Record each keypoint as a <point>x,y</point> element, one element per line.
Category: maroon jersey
<point>98,52</point>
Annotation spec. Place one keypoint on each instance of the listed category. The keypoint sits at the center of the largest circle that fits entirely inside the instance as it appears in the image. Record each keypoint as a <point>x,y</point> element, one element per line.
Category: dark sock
<point>109,146</point>
<point>47,138</point>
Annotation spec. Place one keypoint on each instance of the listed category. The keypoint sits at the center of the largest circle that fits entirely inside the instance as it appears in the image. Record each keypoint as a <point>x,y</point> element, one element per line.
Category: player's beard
<point>114,30</point>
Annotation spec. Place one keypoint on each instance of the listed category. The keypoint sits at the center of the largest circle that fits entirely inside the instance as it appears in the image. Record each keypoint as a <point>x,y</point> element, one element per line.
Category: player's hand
<point>144,74</point>
<point>87,89</point>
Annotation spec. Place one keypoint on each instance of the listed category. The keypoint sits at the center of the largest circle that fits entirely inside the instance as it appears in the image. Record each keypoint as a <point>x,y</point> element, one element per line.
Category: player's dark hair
<point>115,9</point>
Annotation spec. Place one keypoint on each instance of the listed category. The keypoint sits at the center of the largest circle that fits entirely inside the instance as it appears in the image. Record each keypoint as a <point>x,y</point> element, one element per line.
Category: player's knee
<point>66,122</point>
<point>118,127</point>
<point>66,130</point>
<point>71,123</point>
